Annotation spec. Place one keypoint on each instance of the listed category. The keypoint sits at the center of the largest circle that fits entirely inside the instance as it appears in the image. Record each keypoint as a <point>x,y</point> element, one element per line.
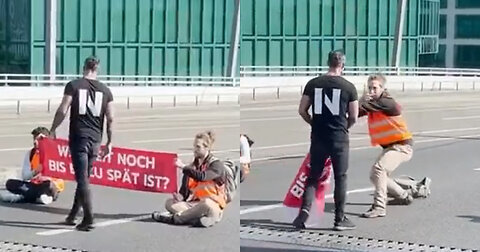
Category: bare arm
<point>61,112</point>
<point>109,114</point>
<point>352,113</point>
<point>305,104</point>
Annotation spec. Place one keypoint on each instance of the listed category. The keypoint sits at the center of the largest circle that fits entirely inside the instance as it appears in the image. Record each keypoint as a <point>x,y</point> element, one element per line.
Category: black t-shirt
<point>330,96</point>
<point>87,112</point>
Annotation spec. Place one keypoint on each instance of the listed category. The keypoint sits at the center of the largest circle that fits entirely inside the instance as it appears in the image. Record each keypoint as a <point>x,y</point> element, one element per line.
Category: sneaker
<point>344,224</point>
<point>85,226</point>
<point>69,221</point>
<point>302,217</point>
<point>11,198</point>
<point>45,199</point>
<point>374,212</point>
<point>424,187</point>
<point>164,217</point>
<point>206,221</point>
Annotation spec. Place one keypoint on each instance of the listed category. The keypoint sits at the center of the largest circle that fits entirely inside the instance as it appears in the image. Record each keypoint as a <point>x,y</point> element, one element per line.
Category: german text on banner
<point>125,168</point>
<point>294,196</point>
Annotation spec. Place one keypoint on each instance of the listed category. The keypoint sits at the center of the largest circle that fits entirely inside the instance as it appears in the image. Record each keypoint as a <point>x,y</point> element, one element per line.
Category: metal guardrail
<point>151,100</point>
<point>272,71</point>
<point>121,80</point>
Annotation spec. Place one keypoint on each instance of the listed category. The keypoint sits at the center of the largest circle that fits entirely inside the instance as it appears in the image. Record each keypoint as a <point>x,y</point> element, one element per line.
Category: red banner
<point>124,168</point>
<point>294,196</point>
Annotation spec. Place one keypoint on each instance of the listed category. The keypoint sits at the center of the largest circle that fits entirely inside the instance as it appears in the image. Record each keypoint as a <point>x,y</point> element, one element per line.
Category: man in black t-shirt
<point>331,98</point>
<point>90,101</point>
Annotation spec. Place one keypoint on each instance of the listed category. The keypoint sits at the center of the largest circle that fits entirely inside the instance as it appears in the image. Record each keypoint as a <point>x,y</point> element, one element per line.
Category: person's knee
<point>376,172</point>
<point>168,204</point>
<point>10,184</point>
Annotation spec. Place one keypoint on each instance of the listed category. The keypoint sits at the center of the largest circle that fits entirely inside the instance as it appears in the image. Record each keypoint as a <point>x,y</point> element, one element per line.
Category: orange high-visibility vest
<point>35,166</point>
<point>207,189</point>
<point>385,130</point>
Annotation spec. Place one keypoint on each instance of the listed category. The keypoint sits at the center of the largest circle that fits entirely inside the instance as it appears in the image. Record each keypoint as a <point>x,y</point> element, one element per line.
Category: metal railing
<point>276,71</point>
<point>120,80</point>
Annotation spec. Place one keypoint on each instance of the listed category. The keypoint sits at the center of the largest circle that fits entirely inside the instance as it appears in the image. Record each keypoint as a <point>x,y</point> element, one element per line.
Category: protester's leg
<point>388,161</point>
<point>206,207</point>
<point>28,190</point>
<point>16,190</point>
<point>79,153</point>
<point>175,207</point>
<point>339,158</point>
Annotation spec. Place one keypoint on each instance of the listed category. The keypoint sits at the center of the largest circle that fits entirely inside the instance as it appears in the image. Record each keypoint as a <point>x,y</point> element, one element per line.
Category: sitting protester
<point>202,195</point>
<point>245,156</point>
<point>33,188</point>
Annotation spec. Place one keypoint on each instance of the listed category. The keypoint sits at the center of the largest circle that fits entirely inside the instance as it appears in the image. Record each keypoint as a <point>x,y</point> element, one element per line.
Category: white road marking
<point>99,224</point>
<point>460,118</point>
<point>273,206</point>
<point>163,140</point>
<point>476,169</point>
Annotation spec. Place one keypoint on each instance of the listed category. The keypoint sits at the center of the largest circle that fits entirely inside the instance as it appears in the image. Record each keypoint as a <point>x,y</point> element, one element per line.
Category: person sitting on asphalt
<point>201,198</point>
<point>388,129</point>
<point>33,187</point>
<point>245,156</point>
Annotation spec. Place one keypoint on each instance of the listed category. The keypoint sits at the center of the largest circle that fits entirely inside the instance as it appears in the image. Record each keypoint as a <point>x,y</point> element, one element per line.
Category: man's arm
<point>214,171</point>
<point>109,114</point>
<point>305,104</point>
<point>61,112</point>
<point>352,113</point>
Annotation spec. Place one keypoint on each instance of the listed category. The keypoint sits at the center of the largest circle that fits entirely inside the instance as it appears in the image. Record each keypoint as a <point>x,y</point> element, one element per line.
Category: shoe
<point>424,187</point>
<point>164,217</point>
<point>344,224</point>
<point>69,221</point>
<point>44,199</point>
<point>85,226</point>
<point>206,221</point>
<point>405,201</point>
<point>374,212</point>
<point>8,197</point>
<point>302,217</point>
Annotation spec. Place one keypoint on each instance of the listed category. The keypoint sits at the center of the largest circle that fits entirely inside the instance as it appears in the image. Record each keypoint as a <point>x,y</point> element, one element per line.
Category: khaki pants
<point>190,212</point>
<point>380,175</point>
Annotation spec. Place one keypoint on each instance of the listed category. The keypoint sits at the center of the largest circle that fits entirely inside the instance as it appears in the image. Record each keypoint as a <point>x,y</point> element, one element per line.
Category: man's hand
<point>179,164</point>
<point>177,197</point>
<point>106,151</point>
<point>53,134</point>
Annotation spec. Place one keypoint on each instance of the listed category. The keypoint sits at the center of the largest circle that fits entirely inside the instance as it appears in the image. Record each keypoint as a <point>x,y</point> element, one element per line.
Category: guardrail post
<point>473,85</point>
<point>238,98</point>
<point>196,100</point>
<point>403,86</point>
<point>421,87</point>
<point>48,106</point>
<point>174,100</point>
<point>151,101</point>
<point>253,94</point>
<point>278,92</point>
<point>218,99</point>
<point>18,107</point>
<point>457,86</point>
<point>128,102</point>
<point>301,89</point>
<point>440,85</point>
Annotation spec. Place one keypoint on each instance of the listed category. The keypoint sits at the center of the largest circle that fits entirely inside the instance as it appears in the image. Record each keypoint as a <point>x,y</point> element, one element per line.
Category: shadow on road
<point>259,202</point>
<point>472,218</point>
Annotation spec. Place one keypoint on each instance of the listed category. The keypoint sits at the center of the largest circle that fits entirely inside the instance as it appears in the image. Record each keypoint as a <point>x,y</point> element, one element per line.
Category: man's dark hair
<point>40,130</point>
<point>91,63</point>
<point>336,59</point>
<point>249,140</point>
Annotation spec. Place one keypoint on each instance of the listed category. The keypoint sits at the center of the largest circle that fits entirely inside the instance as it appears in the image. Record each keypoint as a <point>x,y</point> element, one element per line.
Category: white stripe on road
<point>99,224</point>
<point>273,206</point>
<point>460,118</point>
<point>180,128</point>
<point>477,169</point>
<point>162,140</point>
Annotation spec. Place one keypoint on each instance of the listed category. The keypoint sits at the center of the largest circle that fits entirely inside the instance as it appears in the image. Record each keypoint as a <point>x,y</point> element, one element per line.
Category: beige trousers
<point>380,174</point>
<point>190,212</point>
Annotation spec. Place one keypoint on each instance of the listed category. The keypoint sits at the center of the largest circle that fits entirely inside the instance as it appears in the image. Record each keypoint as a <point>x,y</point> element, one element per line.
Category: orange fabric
<point>385,130</point>
<point>35,166</point>
<point>207,189</point>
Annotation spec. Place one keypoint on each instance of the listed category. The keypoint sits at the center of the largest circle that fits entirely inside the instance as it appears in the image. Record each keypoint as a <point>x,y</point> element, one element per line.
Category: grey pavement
<point>446,127</point>
<point>123,215</point>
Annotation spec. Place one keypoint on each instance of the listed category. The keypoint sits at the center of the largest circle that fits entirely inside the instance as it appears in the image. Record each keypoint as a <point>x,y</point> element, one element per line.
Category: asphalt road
<point>123,215</point>
<point>446,129</point>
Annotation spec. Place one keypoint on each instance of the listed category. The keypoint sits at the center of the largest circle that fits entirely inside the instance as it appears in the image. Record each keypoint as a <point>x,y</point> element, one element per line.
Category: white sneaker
<point>9,197</point>
<point>45,199</point>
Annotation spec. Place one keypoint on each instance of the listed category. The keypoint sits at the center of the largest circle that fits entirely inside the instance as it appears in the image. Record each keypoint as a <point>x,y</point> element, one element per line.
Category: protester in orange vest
<point>388,129</point>
<point>34,187</point>
<point>201,198</point>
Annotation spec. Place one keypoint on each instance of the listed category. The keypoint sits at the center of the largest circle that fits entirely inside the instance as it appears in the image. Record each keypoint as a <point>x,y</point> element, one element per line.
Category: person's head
<point>376,85</point>
<point>336,60</point>
<point>90,66</point>
<point>203,144</point>
<point>38,133</point>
